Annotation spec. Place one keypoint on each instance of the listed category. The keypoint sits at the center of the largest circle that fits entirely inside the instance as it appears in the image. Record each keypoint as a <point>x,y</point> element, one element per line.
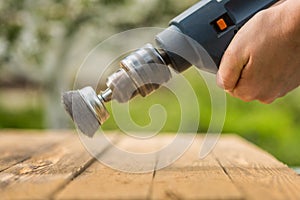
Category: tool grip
<point>213,24</point>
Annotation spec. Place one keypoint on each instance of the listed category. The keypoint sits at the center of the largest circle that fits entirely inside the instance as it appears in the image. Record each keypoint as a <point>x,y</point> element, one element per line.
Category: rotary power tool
<point>199,36</point>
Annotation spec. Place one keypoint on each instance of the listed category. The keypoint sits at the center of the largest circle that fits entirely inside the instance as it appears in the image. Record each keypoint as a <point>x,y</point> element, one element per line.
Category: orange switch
<point>221,24</point>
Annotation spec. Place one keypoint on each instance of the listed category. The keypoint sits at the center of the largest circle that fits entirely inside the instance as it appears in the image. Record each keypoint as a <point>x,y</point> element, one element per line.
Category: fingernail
<point>220,81</point>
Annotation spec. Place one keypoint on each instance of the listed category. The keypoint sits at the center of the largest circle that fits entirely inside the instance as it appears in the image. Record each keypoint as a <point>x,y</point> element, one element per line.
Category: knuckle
<point>227,83</point>
<point>245,96</point>
<point>267,99</point>
<point>260,15</point>
<point>230,51</point>
<point>227,86</point>
<point>230,56</point>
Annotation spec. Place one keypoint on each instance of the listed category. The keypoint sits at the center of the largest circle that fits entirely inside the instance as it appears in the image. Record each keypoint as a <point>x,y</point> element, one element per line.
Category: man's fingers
<point>231,66</point>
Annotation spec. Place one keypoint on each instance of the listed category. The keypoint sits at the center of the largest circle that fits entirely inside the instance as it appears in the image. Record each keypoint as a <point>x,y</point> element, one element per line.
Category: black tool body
<point>211,23</point>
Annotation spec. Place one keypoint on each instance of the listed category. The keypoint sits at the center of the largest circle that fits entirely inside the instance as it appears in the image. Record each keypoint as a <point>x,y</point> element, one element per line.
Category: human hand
<point>262,61</point>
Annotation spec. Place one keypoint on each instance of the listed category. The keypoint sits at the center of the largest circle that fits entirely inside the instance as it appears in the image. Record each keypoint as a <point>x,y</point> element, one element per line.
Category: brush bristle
<point>67,102</point>
<point>81,114</point>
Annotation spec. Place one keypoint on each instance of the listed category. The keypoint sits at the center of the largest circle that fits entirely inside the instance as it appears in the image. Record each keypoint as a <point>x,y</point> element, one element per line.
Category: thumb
<point>231,66</point>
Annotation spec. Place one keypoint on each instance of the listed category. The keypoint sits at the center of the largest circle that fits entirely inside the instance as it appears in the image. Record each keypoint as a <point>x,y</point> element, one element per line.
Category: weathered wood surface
<point>256,173</point>
<point>57,166</point>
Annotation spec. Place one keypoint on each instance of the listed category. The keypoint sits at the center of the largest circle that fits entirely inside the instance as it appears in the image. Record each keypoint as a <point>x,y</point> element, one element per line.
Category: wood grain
<point>16,147</point>
<point>233,151</point>
<point>46,172</point>
<point>257,174</point>
<point>102,182</point>
<point>193,178</point>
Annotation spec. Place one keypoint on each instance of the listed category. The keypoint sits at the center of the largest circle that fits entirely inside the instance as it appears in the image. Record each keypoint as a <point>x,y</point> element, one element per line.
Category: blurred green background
<point>43,43</point>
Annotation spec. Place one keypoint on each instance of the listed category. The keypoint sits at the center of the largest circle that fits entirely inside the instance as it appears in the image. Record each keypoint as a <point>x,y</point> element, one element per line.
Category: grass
<point>274,127</point>
<point>27,118</point>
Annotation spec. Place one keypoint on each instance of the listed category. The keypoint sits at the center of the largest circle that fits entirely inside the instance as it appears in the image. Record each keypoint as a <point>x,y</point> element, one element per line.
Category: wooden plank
<point>102,182</point>
<point>258,174</point>
<point>46,172</point>
<point>16,147</point>
<point>269,183</point>
<point>193,178</point>
<point>233,151</point>
<point>200,184</point>
<point>236,170</point>
<point>190,158</point>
